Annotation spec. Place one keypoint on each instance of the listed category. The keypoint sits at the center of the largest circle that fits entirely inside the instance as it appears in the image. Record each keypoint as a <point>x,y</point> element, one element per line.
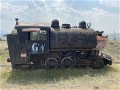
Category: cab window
<point>38,35</point>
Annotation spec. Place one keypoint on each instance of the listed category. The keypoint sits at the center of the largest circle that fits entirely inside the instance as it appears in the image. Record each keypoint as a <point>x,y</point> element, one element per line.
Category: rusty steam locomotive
<point>54,46</point>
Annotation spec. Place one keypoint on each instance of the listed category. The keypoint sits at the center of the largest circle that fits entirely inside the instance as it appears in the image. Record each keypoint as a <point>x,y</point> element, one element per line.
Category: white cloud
<point>101,19</point>
<point>5,6</point>
<point>95,13</point>
<point>45,11</point>
<point>110,3</point>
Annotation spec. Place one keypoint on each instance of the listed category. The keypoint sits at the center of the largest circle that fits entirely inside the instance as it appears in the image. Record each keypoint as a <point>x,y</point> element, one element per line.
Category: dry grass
<point>107,78</point>
<point>113,49</point>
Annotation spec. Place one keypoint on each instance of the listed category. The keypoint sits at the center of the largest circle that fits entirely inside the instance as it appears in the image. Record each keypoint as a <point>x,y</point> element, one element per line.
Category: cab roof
<point>31,25</point>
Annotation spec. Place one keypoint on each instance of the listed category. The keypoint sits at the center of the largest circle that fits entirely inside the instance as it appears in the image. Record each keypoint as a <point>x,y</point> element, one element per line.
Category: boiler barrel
<point>73,38</point>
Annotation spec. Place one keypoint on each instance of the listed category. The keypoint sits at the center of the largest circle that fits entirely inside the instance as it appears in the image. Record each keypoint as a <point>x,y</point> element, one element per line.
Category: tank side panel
<point>74,38</point>
<point>59,39</point>
<point>83,38</point>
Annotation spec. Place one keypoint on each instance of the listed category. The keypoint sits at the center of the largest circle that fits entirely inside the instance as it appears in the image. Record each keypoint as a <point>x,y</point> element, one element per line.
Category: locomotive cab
<point>29,40</point>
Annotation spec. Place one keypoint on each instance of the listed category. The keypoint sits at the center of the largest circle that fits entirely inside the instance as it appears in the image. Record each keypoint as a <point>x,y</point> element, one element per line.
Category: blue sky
<point>103,14</point>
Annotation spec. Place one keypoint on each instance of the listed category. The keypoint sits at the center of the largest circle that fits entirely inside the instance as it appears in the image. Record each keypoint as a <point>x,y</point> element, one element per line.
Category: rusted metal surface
<point>33,24</point>
<point>101,42</point>
<point>30,29</point>
<point>72,38</point>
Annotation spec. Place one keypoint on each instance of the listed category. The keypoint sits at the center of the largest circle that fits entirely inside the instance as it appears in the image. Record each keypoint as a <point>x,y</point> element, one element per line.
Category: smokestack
<point>16,19</point>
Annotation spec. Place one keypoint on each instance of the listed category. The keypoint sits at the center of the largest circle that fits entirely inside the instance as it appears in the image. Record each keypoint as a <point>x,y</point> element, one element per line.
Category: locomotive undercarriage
<point>66,59</point>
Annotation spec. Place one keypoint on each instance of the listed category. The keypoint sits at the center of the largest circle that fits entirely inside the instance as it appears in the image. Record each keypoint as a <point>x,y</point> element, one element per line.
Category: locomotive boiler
<point>53,46</point>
